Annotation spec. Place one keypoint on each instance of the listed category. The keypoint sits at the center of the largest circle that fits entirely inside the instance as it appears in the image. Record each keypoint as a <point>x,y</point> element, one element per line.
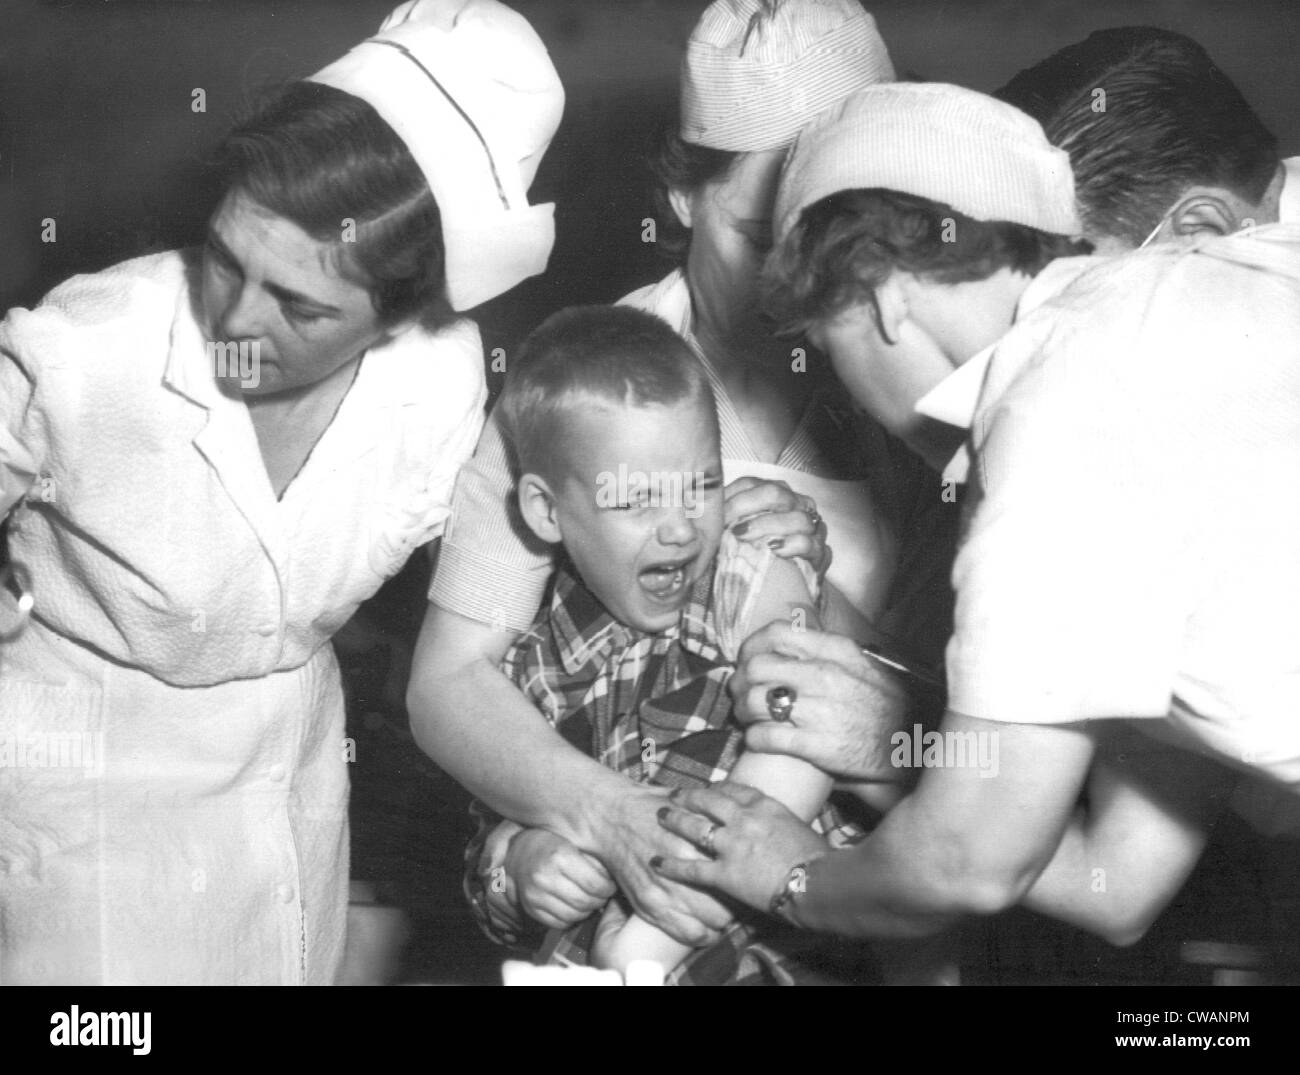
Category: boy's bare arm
<point>842,618</point>
<point>795,783</point>
<point>798,785</point>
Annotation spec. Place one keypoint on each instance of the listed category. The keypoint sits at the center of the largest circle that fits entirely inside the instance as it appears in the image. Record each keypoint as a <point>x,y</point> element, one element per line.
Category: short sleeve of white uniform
<point>1131,442</point>
<point>19,460</point>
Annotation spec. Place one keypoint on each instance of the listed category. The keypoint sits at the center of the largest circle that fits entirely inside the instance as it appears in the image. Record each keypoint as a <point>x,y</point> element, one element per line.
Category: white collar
<point>953,401</point>
<point>954,398</point>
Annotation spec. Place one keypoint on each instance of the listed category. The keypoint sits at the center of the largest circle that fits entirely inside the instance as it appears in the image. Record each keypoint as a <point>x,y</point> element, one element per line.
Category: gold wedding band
<point>706,843</point>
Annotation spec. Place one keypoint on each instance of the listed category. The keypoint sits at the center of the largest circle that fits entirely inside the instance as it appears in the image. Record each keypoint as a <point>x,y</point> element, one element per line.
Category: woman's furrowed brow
<point>278,291</point>
<point>214,241</point>
<point>285,294</point>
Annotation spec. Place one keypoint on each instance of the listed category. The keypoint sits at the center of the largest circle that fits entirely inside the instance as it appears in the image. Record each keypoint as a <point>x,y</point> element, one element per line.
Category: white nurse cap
<point>980,156</point>
<point>756,71</point>
<point>469,88</point>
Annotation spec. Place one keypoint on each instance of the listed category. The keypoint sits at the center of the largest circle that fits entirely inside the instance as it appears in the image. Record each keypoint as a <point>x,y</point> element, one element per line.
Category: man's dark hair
<point>849,243</point>
<point>1144,114</point>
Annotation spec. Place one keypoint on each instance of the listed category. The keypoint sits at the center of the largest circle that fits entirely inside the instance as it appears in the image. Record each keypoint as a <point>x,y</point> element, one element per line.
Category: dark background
<point>98,133</point>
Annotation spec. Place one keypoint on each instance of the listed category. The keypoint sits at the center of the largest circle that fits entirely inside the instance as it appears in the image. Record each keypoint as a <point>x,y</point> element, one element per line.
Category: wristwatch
<point>796,884</point>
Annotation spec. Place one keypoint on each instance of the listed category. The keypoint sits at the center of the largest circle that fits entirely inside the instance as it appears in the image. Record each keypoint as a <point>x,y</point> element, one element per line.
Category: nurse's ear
<point>537,506</point>
<point>891,306</point>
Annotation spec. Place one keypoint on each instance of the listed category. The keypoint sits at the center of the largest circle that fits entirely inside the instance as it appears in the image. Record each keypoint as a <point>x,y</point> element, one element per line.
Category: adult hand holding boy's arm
<point>470,718</point>
<point>961,843</point>
<point>772,514</point>
<point>846,707</point>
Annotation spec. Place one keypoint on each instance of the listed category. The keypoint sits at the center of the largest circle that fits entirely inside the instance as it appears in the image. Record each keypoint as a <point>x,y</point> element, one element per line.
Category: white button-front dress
<point>173,767</point>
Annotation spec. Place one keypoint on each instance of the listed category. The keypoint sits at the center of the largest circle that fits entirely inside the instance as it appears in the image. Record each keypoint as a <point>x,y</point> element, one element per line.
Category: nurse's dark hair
<point>676,164</point>
<point>848,244</point>
<point>326,161</point>
<point>1144,114</point>
<point>585,356</point>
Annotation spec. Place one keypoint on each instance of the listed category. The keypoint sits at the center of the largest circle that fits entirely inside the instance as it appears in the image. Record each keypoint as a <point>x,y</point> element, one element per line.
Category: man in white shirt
<point>1129,551</point>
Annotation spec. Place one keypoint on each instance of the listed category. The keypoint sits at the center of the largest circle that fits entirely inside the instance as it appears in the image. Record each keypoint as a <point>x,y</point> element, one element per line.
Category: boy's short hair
<point>1169,119</point>
<point>846,245</point>
<point>615,355</point>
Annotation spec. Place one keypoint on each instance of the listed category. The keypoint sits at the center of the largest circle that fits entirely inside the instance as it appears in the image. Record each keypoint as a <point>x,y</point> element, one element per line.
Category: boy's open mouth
<point>666,580</point>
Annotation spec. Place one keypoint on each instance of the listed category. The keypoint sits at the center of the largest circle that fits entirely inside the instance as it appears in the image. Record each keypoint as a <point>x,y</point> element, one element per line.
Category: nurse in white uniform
<point>209,459</point>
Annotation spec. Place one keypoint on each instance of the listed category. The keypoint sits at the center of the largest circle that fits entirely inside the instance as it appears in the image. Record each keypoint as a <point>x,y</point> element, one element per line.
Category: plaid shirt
<point>656,708</point>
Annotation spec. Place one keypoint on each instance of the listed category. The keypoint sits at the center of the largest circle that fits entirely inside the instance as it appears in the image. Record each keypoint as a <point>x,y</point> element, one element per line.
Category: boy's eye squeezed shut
<point>688,492</point>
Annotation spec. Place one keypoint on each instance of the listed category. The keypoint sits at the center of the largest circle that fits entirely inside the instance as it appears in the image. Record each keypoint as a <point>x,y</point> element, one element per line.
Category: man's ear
<point>680,200</point>
<point>537,506</point>
<point>1205,210</point>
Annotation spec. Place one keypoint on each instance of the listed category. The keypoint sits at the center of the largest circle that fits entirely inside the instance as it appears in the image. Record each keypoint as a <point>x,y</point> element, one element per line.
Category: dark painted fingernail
<point>661,813</point>
<point>656,862</point>
<point>740,529</point>
<point>776,544</point>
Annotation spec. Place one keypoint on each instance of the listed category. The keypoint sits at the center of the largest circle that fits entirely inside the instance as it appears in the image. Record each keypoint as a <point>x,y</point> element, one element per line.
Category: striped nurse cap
<point>979,155</point>
<point>756,71</point>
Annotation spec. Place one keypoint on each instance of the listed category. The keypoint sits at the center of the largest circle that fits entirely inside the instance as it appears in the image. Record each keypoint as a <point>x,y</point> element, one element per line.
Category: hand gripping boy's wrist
<point>792,887</point>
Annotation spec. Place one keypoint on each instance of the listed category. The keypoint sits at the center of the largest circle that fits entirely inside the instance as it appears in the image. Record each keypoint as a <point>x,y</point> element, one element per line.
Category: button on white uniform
<point>276,773</point>
<point>266,630</point>
<point>284,893</point>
